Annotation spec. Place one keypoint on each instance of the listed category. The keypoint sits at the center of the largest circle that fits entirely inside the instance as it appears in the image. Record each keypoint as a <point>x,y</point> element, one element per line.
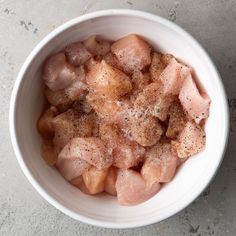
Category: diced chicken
<point>195,103</point>
<point>173,77</point>
<point>94,180</point>
<point>44,125</point>
<point>160,164</point>
<point>108,80</point>
<point>108,109</point>
<point>79,183</point>
<point>152,101</point>
<point>190,141</point>
<point>71,124</point>
<point>57,73</point>
<point>77,54</point>
<point>146,130</point>
<point>48,152</point>
<point>91,63</point>
<point>157,66</point>
<point>71,167</point>
<point>177,120</point>
<point>139,81</point>
<point>82,106</point>
<point>78,89</point>
<point>90,149</point>
<point>110,182</point>
<point>97,46</point>
<point>166,58</point>
<point>131,188</point>
<point>58,99</point>
<point>112,60</point>
<point>126,153</point>
<point>132,52</point>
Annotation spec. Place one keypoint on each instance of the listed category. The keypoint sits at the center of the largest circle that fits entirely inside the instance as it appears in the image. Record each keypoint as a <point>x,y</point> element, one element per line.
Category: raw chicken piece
<point>82,106</point>
<point>152,101</point>
<point>108,80</point>
<point>58,99</point>
<point>57,73</point>
<point>48,153</point>
<point>45,127</point>
<point>132,52</point>
<point>196,104</point>
<point>157,66</point>
<point>71,124</point>
<point>71,167</point>
<point>78,89</point>
<point>126,153</point>
<point>131,188</point>
<point>190,141</point>
<point>173,77</point>
<point>160,165</point>
<point>177,120</point>
<point>94,180</point>
<point>97,46</point>
<point>108,109</point>
<point>112,60</point>
<point>110,182</point>
<point>146,130</point>
<point>139,81</point>
<point>91,63</point>
<point>77,54</point>
<point>166,58</point>
<point>91,150</point>
<point>79,183</point>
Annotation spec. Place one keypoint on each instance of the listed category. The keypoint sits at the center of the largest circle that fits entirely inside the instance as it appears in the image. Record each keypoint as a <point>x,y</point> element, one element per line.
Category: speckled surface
<point>23,24</point>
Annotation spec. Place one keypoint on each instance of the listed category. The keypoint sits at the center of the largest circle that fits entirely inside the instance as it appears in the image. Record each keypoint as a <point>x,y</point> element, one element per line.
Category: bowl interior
<point>103,210</point>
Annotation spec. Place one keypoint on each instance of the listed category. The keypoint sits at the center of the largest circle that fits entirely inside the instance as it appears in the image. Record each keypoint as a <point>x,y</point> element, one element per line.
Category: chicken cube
<point>77,54</point>
<point>108,80</point>
<point>57,73</point>
<point>45,127</point>
<point>195,103</point>
<point>110,182</point>
<point>94,180</point>
<point>132,52</point>
<point>160,164</point>
<point>190,141</point>
<point>131,188</point>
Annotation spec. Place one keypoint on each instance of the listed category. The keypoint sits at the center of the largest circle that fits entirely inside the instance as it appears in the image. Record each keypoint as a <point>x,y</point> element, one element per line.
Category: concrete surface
<point>23,24</point>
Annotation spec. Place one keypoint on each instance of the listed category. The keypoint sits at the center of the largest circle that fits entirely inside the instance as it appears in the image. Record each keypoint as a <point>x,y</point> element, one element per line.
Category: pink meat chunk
<point>57,73</point>
<point>111,59</point>
<point>71,124</point>
<point>79,183</point>
<point>110,182</point>
<point>126,153</point>
<point>97,46</point>
<point>146,130</point>
<point>177,120</point>
<point>94,179</point>
<point>173,77</point>
<point>72,167</point>
<point>160,164</point>
<point>131,188</point>
<point>90,149</point>
<point>152,101</point>
<point>132,52</point>
<point>195,103</point>
<point>190,141</point>
<point>108,80</point>
<point>77,54</point>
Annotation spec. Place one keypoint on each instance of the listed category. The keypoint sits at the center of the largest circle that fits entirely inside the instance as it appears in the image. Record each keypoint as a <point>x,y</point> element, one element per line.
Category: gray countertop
<point>23,24</point>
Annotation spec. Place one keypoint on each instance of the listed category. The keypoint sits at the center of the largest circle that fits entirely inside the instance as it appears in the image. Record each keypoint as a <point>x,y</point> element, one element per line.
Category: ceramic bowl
<point>27,101</point>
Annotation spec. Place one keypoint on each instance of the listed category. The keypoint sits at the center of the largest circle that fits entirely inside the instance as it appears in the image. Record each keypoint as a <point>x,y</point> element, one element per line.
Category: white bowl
<point>26,104</point>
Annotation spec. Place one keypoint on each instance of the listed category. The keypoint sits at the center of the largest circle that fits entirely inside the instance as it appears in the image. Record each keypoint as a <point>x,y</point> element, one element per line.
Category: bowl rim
<point>20,78</point>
